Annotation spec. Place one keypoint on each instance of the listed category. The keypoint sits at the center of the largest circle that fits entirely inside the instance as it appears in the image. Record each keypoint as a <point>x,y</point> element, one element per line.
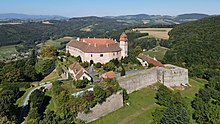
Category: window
<point>113,54</point>
<point>101,55</point>
<point>91,55</point>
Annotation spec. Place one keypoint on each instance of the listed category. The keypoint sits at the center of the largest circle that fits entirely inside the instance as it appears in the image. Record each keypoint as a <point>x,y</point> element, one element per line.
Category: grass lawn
<point>51,77</point>
<point>19,102</point>
<point>57,43</point>
<point>6,51</point>
<point>157,52</point>
<point>142,104</point>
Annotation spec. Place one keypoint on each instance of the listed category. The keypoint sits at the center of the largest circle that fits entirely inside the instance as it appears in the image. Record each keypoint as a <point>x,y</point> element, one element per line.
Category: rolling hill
<point>9,16</point>
<point>195,45</point>
<point>36,32</point>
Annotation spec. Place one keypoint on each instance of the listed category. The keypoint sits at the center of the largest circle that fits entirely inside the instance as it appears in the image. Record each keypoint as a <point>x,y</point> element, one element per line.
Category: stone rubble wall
<point>138,80</point>
<point>112,103</point>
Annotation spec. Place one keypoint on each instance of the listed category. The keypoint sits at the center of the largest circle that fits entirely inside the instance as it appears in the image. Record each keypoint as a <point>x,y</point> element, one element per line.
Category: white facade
<point>95,57</point>
<point>124,47</point>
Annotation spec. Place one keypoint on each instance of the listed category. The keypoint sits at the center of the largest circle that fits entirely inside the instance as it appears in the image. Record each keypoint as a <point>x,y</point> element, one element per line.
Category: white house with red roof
<point>146,60</point>
<point>96,50</point>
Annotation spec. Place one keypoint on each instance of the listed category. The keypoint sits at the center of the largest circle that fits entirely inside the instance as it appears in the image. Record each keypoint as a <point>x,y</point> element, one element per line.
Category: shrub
<point>98,65</point>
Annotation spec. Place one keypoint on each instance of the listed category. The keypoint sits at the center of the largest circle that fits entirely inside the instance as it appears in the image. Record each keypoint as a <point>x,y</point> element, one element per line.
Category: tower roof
<point>123,37</point>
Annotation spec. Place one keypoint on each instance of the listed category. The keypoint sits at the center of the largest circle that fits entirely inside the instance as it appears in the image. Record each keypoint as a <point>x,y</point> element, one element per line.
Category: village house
<point>147,60</point>
<point>77,72</point>
<point>96,50</point>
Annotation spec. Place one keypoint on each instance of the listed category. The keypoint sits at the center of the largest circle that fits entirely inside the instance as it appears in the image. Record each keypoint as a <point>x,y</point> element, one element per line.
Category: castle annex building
<point>96,50</point>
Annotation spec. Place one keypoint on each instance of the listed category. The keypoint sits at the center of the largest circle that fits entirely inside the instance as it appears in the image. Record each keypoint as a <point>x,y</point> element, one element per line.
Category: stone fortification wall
<point>169,75</point>
<point>112,103</point>
<point>172,75</point>
<point>138,80</point>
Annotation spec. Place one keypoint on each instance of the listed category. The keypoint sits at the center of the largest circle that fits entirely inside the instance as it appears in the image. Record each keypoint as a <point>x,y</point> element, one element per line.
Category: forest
<point>195,45</point>
<point>36,32</point>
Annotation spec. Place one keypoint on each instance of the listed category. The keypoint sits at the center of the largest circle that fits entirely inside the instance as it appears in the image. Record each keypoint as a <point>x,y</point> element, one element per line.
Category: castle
<point>96,50</point>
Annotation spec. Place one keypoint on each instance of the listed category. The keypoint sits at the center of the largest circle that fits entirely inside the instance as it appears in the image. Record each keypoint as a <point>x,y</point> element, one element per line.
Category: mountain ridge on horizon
<point>142,16</point>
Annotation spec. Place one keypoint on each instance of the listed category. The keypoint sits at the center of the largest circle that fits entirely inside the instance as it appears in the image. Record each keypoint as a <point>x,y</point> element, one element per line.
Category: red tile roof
<point>110,74</point>
<point>150,60</point>
<point>97,41</point>
<point>94,48</point>
<point>123,37</point>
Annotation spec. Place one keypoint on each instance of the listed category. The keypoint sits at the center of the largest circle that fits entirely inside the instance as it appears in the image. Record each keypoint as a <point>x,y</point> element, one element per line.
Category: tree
<point>163,95</point>
<point>36,99</point>
<point>175,115</point>
<point>109,66</point>
<point>45,66</point>
<point>98,65</point>
<point>49,51</point>
<point>50,118</point>
<point>99,93</point>
<point>8,97</point>
<point>81,83</point>
<point>137,50</point>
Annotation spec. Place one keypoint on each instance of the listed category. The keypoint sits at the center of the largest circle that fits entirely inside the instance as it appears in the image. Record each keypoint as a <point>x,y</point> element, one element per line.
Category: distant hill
<point>193,16</point>
<point>36,32</point>
<point>131,17</point>
<point>9,16</point>
<point>160,19</point>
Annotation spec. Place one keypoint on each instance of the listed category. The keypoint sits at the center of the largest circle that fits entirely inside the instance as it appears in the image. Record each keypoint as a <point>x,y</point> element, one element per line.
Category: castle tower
<point>124,45</point>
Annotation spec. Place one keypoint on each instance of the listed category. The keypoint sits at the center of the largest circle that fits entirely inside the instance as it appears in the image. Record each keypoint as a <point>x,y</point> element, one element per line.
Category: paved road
<point>24,108</point>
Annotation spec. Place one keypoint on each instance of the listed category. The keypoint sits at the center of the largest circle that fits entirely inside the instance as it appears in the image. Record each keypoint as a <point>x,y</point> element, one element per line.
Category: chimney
<point>106,45</point>
<point>77,38</point>
<point>95,44</point>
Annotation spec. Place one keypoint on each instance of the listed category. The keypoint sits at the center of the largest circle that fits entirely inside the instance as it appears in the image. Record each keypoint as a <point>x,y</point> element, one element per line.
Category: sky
<point>79,8</point>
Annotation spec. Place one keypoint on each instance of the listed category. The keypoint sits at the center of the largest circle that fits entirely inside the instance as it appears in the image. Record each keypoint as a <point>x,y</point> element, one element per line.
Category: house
<point>109,75</point>
<point>147,60</point>
<point>77,72</point>
<point>96,50</point>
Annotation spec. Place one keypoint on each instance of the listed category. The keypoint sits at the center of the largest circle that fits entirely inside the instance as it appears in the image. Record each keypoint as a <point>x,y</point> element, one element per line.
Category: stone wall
<point>172,75</point>
<point>169,75</point>
<point>138,80</point>
<point>112,103</point>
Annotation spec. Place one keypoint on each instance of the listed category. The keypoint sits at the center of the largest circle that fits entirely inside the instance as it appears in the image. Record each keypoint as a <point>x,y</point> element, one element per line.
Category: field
<point>58,43</point>
<point>6,51</point>
<point>142,104</point>
<point>159,33</point>
<point>158,52</point>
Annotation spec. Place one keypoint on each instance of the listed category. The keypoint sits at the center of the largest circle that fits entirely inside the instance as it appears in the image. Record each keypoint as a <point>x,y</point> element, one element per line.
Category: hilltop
<point>195,45</point>
<point>11,16</point>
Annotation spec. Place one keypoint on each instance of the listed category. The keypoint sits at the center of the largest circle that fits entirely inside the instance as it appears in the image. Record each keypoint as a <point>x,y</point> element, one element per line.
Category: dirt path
<point>136,114</point>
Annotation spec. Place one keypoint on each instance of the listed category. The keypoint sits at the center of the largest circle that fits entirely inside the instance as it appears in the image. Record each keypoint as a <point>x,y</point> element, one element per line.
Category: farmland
<point>7,51</point>
<point>159,33</point>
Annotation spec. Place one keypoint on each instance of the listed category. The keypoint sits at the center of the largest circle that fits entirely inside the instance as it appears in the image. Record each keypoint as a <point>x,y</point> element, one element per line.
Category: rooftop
<point>98,41</point>
<point>150,60</point>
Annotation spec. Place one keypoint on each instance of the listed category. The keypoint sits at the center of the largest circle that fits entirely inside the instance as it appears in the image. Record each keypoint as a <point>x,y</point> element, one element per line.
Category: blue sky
<point>76,8</point>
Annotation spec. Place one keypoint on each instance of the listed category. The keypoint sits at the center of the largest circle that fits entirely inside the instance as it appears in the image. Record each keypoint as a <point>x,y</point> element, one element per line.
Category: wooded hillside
<point>196,45</point>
